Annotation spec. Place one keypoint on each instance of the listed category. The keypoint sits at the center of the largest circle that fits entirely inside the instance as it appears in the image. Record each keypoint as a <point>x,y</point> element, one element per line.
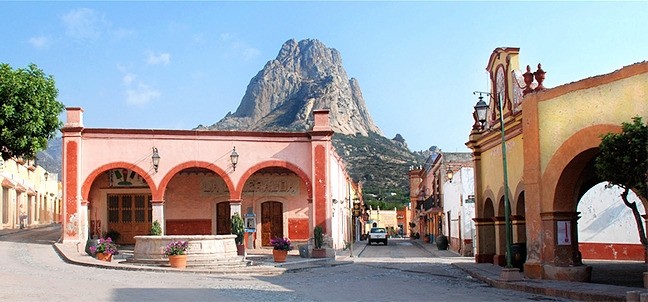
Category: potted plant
<point>281,246</point>
<point>426,238</point>
<point>176,251</point>
<point>237,229</point>
<point>104,250</point>
<point>318,239</point>
<point>156,228</point>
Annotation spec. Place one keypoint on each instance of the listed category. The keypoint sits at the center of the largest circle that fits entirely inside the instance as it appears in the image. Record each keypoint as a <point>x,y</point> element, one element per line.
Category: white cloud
<point>84,24</point>
<point>141,95</point>
<point>250,53</point>
<point>161,58</point>
<point>129,78</point>
<point>239,46</point>
<point>40,41</point>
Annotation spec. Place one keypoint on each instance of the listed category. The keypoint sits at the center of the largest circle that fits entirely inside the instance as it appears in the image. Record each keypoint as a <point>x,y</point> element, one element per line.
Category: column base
<point>533,270</point>
<point>581,273</point>
<point>510,274</point>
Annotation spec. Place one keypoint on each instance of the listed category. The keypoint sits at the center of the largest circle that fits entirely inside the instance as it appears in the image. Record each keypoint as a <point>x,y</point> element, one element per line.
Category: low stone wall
<point>203,249</point>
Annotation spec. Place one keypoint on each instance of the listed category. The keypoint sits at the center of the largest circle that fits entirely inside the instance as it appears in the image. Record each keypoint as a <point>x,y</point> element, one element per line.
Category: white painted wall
<point>605,218</point>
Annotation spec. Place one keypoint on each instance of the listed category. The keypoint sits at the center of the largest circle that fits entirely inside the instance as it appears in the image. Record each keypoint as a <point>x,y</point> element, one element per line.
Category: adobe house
<point>123,180</point>
<point>552,138</point>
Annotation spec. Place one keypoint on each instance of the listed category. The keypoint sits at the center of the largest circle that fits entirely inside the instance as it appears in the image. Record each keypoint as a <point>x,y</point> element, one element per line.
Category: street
<point>401,271</point>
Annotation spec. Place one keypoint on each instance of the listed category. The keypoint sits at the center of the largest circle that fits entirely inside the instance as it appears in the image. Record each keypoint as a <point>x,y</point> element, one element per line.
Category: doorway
<point>271,221</point>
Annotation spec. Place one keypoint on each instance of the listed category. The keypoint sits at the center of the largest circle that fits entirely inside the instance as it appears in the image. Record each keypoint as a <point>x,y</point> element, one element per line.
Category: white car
<point>378,235</point>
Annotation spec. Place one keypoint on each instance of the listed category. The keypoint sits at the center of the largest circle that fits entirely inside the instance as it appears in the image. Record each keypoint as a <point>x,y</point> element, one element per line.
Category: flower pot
<point>240,249</point>
<point>319,253</point>
<point>279,255</point>
<point>178,261</point>
<point>104,257</point>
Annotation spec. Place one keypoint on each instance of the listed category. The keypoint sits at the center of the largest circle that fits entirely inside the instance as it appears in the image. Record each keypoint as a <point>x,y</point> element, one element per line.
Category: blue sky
<point>175,65</point>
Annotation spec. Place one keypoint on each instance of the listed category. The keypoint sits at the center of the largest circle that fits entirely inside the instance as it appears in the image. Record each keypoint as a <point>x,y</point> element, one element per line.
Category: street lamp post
<point>481,108</point>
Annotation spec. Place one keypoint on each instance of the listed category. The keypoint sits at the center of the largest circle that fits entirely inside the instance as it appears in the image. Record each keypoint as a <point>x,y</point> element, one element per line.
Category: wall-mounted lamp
<point>234,158</point>
<point>155,158</point>
<point>46,175</point>
<point>449,174</point>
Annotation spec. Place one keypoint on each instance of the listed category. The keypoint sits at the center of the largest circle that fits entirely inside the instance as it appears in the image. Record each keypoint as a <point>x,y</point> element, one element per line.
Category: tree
<point>29,111</point>
<point>623,161</point>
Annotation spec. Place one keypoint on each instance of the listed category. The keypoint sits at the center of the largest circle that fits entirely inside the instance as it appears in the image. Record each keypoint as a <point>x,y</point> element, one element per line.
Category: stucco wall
<point>609,103</point>
<point>492,176</point>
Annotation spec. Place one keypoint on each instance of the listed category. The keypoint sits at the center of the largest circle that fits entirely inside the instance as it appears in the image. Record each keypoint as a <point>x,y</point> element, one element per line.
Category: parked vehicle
<point>377,235</point>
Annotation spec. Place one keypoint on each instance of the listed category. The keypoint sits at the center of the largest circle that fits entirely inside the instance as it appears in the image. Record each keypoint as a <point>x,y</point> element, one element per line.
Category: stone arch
<point>564,170</point>
<point>89,180</point>
<point>518,205</point>
<point>159,195</point>
<point>485,211</point>
<point>238,193</point>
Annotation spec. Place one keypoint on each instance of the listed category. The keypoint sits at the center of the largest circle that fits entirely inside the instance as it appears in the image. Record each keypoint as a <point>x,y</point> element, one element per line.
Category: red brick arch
<point>267,164</point>
<point>159,195</point>
<point>87,184</point>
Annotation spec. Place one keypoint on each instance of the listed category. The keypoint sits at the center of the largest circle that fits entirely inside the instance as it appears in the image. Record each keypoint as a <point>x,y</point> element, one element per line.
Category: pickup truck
<point>377,235</point>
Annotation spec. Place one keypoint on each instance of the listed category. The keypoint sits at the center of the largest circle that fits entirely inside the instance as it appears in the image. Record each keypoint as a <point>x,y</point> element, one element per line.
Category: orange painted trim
<point>583,144</point>
<point>87,183</point>
<point>612,251</point>
<point>595,81</point>
<point>195,133</point>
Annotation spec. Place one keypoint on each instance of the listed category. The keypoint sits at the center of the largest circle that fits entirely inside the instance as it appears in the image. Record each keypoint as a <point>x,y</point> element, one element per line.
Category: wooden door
<point>130,215</point>
<point>223,218</point>
<point>271,221</point>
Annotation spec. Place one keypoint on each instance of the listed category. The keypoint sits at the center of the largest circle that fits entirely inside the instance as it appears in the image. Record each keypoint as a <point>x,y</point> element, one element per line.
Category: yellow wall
<point>612,103</point>
<point>491,173</point>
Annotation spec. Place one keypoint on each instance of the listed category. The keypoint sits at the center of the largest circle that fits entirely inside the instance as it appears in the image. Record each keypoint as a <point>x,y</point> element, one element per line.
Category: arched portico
<point>552,138</point>
<point>186,190</point>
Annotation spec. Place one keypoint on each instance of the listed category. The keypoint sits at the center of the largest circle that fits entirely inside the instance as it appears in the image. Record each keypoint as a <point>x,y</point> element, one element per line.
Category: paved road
<point>32,271</point>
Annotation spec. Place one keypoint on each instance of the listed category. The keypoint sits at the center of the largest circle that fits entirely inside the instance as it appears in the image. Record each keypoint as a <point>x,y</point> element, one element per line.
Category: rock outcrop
<point>306,75</point>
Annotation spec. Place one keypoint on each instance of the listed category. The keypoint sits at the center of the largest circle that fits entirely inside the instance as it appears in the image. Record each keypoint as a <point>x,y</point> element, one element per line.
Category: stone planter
<point>203,249</point>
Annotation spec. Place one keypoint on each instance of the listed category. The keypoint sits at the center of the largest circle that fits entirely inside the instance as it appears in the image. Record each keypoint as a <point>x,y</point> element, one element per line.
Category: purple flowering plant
<point>176,248</point>
<point>281,244</point>
<point>105,246</point>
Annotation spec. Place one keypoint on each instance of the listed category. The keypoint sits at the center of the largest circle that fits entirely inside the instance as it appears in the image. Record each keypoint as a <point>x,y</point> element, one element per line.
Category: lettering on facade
<point>277,185</point>
<point>497,151</point>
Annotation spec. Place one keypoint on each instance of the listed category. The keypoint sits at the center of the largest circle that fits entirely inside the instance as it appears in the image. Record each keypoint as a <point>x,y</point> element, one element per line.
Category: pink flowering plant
<point>176,248</point>
<point>281,244</point>
<point>105,246</point>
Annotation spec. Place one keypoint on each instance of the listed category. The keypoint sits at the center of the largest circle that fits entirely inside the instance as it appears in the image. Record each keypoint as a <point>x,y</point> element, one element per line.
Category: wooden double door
<point>271,221</point>
<point>130,215</point>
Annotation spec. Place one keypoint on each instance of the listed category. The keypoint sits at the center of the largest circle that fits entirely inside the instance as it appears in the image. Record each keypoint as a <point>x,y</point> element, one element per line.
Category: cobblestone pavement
<point>32,271</point>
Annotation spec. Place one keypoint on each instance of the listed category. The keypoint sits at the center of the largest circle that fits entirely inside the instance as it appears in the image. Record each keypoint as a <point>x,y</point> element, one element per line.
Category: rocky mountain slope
<point>307,75</point>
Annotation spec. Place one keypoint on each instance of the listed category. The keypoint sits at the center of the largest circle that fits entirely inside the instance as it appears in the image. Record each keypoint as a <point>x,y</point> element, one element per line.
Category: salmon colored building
<point>191,182</point>
<point>552,138</point>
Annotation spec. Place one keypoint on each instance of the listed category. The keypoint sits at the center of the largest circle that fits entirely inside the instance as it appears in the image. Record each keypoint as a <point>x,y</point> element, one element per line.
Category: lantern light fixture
<point>234,158</point>
<point>449,174</point>
<point>155,158</point>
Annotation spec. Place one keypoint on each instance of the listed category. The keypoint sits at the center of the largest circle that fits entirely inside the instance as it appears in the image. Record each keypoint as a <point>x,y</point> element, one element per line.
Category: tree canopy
<point>29,111</point>
<point>623,161</point>
<point>623,157</point>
